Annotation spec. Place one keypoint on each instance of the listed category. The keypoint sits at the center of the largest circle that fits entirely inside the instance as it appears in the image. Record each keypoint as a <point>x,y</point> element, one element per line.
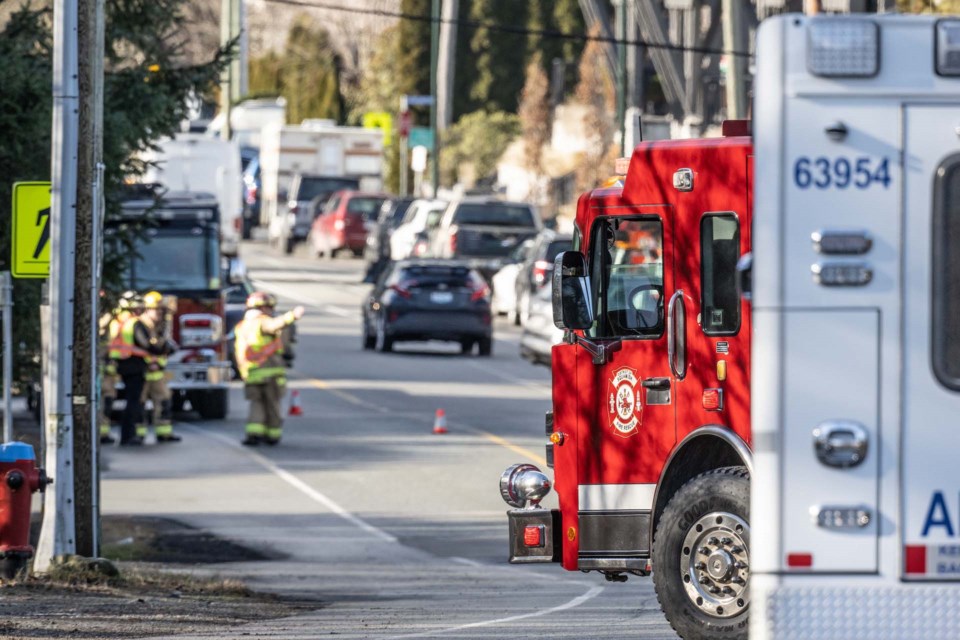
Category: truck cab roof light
<point>843,48</point>
<point>948,47</point>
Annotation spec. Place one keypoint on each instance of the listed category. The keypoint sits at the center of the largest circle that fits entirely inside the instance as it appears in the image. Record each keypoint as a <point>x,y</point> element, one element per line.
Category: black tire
<point>382,342</point>
<point>213,404</point>
<point>466,346</point>
<point>718,502</point>
<point>288,245</point>
<point>486,347</point>
<point>357,253</point>
<point>369,341</point>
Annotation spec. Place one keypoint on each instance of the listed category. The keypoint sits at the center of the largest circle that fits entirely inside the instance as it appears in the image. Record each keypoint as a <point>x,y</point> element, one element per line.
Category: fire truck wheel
<point>701,556</point>
<point>213,405</point>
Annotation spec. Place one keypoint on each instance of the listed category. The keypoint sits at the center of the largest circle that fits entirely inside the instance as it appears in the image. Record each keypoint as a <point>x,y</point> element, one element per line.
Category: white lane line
<point>576,602</point>
<point>467,561</point>
<point>298,484</point>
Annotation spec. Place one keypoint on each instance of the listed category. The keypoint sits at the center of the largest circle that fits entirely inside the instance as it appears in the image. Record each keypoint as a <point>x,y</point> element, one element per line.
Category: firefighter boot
<point>105,435</point>
<point>255,434</point>
<point>164,426</point>
<point>273,435</point>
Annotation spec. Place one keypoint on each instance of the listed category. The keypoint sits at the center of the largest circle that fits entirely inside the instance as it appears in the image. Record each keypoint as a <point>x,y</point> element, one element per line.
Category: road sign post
<point>6,286</point>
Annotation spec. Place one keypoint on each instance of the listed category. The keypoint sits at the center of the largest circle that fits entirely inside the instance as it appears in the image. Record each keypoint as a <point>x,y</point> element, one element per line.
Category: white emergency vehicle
<point>855,511</point>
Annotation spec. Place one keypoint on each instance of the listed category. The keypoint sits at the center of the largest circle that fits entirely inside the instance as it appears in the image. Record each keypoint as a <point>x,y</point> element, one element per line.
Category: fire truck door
<point>930,479</point>
<point>632,426</point>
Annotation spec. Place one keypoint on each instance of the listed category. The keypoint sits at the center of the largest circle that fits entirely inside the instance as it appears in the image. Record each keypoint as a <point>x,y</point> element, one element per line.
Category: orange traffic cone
<point>440,422</point>
<point>295,408</point>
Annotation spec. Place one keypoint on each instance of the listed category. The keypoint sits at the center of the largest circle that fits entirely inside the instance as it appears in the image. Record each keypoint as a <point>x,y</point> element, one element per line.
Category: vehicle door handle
<point>676,335</point>
<point>840,443</point>
<point>660,384</point>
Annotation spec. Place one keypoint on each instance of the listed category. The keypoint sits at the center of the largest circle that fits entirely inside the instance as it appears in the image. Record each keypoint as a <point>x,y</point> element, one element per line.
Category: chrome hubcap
<point>714,564</point>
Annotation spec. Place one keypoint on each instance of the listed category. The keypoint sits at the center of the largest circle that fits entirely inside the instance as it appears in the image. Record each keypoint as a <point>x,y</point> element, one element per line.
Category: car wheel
<point>288,244</point>
<point>383,343</point>
<point>486,346</point>
<point>701,555</point>
<point>369,341</point>
<point>523,309</point>
<point>466,346</point>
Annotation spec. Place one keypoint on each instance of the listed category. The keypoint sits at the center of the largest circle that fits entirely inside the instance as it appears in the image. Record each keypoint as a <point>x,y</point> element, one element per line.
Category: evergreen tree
<point>413,53</point>
<point>498,57</point>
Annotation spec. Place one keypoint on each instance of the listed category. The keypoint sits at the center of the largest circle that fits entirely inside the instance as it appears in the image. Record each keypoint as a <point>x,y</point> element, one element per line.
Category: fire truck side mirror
<point>572,298</point>
<point>745,276</point>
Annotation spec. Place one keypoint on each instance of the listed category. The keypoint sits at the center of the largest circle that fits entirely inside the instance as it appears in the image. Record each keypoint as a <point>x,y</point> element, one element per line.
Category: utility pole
<point>86,275</point>
<point>447,63</point>
<point>434,58</point>
<point>621,7</point>
<point>734,41</point>
<point>57,533</point>
<point>229,18</point>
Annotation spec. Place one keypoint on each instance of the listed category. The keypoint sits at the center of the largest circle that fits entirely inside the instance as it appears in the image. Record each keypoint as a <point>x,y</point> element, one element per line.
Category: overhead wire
<point>503,28</point>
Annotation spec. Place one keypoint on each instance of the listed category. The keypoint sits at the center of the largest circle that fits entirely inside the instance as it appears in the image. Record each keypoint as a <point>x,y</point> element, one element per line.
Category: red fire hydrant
<point>19,480</point>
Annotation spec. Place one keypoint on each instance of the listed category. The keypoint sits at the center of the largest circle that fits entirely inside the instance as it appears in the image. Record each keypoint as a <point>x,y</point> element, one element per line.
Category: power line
<point>492,26</point>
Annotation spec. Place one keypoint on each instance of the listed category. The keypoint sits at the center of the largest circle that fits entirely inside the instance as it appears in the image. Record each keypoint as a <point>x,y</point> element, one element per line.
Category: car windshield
<point>556,248</point>
<point>310,188</point>
<point>367,208</point>
<point>494,214</point>
<point>185,259</point>
<point>433,275</point>
<point>397,212</point>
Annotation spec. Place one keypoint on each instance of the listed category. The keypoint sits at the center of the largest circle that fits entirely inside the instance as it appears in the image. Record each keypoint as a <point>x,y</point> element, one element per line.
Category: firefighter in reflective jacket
<point>110,324</point>
<point>155,387</point>
<point>133,347</point>
<point>259,352</point>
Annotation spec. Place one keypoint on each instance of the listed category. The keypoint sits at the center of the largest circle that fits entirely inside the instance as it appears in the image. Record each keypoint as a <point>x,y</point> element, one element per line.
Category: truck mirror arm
<point>601,351</point>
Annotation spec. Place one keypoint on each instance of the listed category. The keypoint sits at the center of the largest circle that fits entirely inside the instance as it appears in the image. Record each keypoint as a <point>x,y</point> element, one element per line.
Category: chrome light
<point>843,48</point>
<point>523,483</point>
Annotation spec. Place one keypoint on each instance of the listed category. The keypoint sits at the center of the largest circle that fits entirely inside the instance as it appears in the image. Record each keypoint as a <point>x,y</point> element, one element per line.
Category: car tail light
<point>293,206</point>
<point>200,329</point>
<point>420,249</point>
<point>540,270</point>
<point>252,194</point>
<point>195,323</point>
<point>479,291</point>
<point>403,288</point>
<point>453,242</point>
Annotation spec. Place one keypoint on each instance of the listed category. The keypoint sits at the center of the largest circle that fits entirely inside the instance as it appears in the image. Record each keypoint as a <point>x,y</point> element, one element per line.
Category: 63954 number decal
<point>841,173</point>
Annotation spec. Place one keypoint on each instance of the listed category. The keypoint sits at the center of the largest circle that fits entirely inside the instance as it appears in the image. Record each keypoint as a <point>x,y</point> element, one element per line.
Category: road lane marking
<point>506,444</point>
<point>576,602</point>
<point>298,484</point>
<point>348,397</point>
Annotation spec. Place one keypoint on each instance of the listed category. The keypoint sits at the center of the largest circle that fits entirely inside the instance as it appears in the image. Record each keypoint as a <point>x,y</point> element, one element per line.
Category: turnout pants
<point>266,417</point>
<point>133,412</point>
<point>108,393</point>
<point>158,393</point>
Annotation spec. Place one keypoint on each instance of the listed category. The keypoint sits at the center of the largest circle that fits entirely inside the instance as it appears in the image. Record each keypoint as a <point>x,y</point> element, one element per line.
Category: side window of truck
<point>719,252</point>
<point>627,276</point>
<point>946,274</point>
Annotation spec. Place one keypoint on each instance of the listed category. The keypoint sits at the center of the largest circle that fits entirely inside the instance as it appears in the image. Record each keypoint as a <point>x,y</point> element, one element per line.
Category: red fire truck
<point>650,428</point>
<point>177,252</point>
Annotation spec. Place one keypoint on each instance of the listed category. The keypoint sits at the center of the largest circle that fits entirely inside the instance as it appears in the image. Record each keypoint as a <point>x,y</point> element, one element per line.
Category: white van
<point>855,512</point>
<point>193,162</point>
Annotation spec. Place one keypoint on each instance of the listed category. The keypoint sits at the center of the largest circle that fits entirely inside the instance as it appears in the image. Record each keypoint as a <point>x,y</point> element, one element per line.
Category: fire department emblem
<point>626,408</point>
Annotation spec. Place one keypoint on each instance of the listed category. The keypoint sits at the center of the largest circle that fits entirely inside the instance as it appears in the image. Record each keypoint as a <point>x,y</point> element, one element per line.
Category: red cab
<point>344,222</point>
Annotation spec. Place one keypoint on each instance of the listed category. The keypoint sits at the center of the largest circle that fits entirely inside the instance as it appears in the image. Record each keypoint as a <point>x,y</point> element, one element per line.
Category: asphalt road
<point>396,531</point>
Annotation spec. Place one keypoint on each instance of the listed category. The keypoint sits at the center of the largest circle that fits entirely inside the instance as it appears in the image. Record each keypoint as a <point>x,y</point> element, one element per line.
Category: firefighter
<point>155,389</point>
<point>111,324</point>
<point>134,345</point>
<point>259,353</point>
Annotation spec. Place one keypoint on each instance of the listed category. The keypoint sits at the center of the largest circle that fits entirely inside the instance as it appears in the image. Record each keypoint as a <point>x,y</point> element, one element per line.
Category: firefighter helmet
<point>130,300</point>
<point>153,300</point>
<point>261,300</point>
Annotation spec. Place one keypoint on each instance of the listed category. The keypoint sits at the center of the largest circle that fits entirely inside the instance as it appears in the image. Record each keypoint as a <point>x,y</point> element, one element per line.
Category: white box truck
<point>193,162</point>
<point>855,519</point>
<point>315,149</point>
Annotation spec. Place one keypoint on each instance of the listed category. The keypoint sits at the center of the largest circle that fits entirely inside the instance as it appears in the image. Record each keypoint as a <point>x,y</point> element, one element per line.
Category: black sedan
<point>418,300</point>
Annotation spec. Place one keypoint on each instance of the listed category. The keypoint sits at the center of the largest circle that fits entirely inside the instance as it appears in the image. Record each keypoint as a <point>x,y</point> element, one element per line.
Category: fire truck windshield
<point>181,259</point>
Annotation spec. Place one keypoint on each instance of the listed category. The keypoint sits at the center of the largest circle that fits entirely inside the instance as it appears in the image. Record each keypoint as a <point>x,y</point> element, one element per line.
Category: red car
<point>344,222</point>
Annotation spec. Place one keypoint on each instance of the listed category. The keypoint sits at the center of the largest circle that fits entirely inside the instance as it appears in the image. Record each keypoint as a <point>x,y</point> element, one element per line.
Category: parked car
<point>345,222</point>
<point>251,197</point>
<point>307,195</point>
<point>377,250</point>
<point>421,218</point>
<point>484,231</point>
<point>537,270</point>
<point>504,281</point>
<point>540,333</point>
<point>419,300</point>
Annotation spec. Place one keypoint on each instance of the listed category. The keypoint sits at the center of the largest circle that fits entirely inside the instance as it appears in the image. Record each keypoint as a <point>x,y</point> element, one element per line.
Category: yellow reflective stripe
<point>163,430</point>
<point>274,433</point>
<point>256,429</point>
<point>262,374</point>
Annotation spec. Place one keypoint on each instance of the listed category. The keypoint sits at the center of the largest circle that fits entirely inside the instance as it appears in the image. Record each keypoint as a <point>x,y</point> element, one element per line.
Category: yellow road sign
<point>379,120</point>
<point>30,242</point>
